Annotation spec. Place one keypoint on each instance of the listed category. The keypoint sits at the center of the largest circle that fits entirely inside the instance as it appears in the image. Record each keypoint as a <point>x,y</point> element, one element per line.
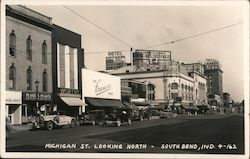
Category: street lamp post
<point>37,104</point>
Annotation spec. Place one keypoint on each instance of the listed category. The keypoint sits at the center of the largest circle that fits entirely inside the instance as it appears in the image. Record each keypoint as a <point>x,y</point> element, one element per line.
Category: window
<point>44,53</point>
<point>12,43</point>
<point>45,81</point>
<point>29,79</point>
<point>174,95</point>
<point>174,86</point>
<point>29,48</point>
<point>12,77</point>
<point>151,92</point>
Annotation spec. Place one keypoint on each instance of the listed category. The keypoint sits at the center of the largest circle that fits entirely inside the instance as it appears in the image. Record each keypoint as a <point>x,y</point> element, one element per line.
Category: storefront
<point>14,108</point>
<point>69,100</point>
<point>34,103</point>
<point>101,91</point>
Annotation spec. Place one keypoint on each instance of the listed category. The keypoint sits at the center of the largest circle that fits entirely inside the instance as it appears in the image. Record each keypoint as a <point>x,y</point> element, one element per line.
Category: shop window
<point>29,79</point>
<point>45,81</point>
<point>12,43</point>
<point>174,86</point>
<point>44,53</point>
<point>29,48</point>
<point>12,77</point>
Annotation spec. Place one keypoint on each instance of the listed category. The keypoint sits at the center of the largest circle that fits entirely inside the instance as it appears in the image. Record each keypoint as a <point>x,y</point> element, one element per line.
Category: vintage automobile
<point>93,117</point>
<point>166,113</point>
<point>54,119</point>
<point>118,118</point>
<point>153,114</point>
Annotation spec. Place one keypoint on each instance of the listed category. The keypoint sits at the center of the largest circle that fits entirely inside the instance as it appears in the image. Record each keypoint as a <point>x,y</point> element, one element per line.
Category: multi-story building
<point>68,60</point>
<point>214,74</point>
<point>115,60</point>
<point>28,63</point>
<point>196,71</point>
<point>176,85</point>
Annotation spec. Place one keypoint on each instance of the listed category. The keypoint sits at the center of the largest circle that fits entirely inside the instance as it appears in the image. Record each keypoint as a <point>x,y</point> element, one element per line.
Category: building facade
<point>68,60</point>
<point>115,60</point>
<point>177,85</point>
<point>28,63</point>
<point>214,74</point>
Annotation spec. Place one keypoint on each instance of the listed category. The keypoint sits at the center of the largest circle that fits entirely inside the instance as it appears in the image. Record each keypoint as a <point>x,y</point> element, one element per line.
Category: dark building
<point>68,60</point>
<point>214,75</point>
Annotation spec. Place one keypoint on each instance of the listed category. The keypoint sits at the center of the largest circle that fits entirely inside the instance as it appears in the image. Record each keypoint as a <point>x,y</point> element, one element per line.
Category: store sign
<point>100,85</point>
<point>31,96</point>
<point>13,97</point>
<point>68,92</point>
<point>152,56</point>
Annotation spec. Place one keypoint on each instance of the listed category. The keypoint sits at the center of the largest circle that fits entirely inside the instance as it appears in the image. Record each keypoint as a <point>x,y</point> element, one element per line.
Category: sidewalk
<point>20,128</point>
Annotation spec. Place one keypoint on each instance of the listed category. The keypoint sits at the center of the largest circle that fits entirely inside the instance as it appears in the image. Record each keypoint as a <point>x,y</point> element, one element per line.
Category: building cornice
<point>28,19</point>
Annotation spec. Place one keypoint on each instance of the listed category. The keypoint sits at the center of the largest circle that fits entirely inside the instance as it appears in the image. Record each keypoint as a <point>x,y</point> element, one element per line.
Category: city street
<point>222,134</point>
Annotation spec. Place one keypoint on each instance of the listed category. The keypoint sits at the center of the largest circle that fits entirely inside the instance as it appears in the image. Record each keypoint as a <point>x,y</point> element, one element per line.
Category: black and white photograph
<point>124,79</point>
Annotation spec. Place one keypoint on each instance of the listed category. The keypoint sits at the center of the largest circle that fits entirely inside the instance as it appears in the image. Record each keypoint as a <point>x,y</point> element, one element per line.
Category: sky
<point>141,26</point>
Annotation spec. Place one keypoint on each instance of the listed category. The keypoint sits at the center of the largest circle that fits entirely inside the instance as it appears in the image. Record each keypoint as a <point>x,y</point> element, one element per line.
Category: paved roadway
<point>208,134</point>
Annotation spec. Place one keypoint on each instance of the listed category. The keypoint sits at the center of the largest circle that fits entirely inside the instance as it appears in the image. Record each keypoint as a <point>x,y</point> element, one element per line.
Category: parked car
<point>118,118</point>
<point>154,114</point>
<point>54,119</point>
<point>166,113</point>
<point>137,115</point>
<point>93,117</point>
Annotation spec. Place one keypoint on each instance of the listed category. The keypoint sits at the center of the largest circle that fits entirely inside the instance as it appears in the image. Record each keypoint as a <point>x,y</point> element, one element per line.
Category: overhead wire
<point>193,36</point>
<point>97,26</point>
<point>181,39</point>
<point>157,45</point>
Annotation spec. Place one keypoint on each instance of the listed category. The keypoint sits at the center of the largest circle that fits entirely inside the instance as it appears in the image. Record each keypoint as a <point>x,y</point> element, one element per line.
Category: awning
<point>141,103</point>
<point>104,102</point>
<point>134,106</point>
<point>190,107</point>
<point>71,101</point>
<point>127,104</point>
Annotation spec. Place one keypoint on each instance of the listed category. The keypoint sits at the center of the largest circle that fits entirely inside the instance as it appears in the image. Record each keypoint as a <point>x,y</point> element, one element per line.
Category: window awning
<point>190,107</point>
<point>104,103</point>
<point>71,101</point>
<point>141,103</point>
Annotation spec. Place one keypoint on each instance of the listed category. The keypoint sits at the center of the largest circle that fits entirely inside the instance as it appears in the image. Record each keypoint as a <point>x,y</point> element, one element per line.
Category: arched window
<point>12,77</point>
<point>29,48</point>
<point>29,79</point>
<point>151,92</point>
<point>12,43</point>
<point>44,53</point>
<point>45,81</point>
<point>174,86</point>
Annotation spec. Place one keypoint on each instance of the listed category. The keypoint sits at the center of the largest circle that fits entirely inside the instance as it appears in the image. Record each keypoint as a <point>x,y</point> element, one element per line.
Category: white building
<point>178,83</point>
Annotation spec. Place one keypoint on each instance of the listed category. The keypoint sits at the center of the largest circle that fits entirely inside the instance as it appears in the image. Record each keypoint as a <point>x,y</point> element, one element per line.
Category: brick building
<point>28,63</point>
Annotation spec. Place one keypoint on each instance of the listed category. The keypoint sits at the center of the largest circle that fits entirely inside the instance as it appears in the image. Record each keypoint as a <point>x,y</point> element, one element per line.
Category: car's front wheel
<point>49,125</point>
<point>118,122</point>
